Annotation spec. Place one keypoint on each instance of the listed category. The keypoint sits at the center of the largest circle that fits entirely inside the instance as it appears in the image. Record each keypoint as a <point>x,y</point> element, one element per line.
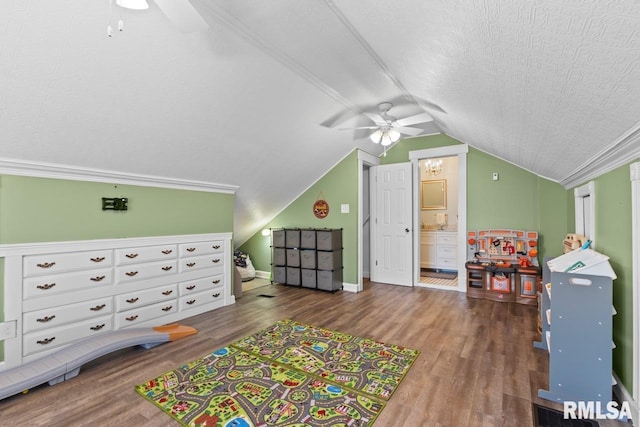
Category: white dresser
<point>60,292</point>
<point>438,250</point>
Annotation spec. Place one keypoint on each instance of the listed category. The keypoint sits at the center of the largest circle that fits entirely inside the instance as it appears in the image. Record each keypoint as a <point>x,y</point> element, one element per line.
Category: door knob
<point>406,229</point>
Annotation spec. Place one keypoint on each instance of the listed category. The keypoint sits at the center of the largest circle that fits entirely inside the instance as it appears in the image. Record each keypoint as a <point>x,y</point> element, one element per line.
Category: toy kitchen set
<point>502,265</point>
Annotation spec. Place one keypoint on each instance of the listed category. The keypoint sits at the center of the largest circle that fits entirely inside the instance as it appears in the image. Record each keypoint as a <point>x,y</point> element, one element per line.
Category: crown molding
<point>622,151</point>
<point>49,170</point>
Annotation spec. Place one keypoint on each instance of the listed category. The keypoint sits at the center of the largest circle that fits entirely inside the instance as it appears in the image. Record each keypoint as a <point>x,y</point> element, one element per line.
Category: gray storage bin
<point>292,238</point>
<point>329,260</point>
<point>293,258</point>
<point>308,239</point>
<point>308,278</point>
<point>308,258</point>
<point>329,280</point>
<point>293,276</point>
<point>280,275</point>
<point>279,256</point>
<point>328,240</point>
<point>277,238</point>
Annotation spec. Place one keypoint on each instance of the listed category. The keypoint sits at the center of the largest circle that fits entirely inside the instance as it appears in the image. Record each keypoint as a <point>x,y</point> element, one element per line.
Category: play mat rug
<point>289,374</point>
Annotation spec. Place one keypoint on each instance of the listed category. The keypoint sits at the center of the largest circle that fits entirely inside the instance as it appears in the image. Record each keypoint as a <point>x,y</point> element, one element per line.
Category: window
<point>585,223</point>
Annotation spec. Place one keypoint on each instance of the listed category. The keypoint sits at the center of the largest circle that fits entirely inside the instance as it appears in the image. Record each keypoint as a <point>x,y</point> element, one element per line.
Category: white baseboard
<point>263,274</point>
<point>350,287</point>
<point>623,395</point>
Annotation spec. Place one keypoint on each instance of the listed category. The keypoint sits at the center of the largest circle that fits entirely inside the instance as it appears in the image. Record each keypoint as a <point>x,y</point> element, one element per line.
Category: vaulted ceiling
<point>258,98</point>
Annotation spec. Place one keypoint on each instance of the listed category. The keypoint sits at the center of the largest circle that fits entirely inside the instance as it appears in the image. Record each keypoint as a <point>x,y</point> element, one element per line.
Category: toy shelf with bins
<point>576,316</point>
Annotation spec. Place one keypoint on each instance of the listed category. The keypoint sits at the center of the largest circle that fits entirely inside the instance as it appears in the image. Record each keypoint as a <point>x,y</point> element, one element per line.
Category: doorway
<point>453,239</point>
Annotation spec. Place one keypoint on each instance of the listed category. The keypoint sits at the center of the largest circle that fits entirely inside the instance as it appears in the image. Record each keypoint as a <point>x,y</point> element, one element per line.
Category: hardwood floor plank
<point>477,366</point>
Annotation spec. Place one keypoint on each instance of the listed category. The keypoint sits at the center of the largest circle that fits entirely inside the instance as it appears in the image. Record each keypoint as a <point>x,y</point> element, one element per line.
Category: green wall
<point>613,238</point>
<point>339,186</point>
<point>43,210</point>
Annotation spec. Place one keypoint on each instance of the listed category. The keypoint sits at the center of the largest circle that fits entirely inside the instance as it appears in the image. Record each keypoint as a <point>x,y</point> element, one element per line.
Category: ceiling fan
<point>180,12</point>
<point>388,129</point>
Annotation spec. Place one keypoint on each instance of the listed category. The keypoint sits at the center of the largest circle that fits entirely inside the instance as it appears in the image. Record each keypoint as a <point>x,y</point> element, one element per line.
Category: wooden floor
<point>477,366</point>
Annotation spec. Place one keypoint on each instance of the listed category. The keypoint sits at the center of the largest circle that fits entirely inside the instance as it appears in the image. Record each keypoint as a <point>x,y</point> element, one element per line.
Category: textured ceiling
<point>256,100</point>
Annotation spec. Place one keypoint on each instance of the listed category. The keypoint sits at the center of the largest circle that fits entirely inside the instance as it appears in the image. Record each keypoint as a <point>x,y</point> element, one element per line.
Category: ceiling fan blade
<point>408,131</point>
<point>183,15</point>
<point>376,118</point>
<point>412,120</point>
<point>360,127</point>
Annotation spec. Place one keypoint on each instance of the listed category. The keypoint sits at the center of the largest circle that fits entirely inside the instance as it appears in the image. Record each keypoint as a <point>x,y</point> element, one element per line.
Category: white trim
<point>622,151</point>
<point>635,245</point>
<point>459,150</point>
<point>587,190</point>
<point>623,395</point>
<point>263,274</point>
<point>54,171</point>
<point>351,287</point>
<point>364,158</point>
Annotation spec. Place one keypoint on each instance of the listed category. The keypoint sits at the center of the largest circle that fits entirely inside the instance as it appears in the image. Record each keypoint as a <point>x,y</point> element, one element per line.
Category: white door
<point>391,229</point>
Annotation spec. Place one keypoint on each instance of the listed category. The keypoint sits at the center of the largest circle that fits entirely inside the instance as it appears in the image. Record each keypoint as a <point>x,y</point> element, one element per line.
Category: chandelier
<point>433,166</point>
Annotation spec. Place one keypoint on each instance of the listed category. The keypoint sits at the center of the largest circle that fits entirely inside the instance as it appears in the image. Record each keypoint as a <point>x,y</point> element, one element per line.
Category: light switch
<point>495,176</point>
<point>344,208</point>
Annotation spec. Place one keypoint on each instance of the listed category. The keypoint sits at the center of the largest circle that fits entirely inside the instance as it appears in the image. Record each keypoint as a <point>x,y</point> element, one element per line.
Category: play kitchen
<point>502,265</point>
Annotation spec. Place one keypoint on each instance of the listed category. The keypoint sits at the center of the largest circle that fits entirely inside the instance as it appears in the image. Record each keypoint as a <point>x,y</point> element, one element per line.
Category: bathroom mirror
<point>433,194</point>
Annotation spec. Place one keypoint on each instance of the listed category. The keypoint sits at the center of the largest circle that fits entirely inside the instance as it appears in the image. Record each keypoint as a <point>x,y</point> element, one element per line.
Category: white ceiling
<point>256,100</point>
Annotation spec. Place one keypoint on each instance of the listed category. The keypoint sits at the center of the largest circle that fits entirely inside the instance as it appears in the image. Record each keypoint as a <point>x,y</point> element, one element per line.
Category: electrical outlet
<point>7,330</point>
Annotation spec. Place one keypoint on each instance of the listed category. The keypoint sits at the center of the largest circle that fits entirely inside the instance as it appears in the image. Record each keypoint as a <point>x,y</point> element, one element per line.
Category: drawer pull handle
<point>131,256</point>
<point>215,260</point>
<point>98,278</point>
<point>191,287</point>
<point>97,327</point>
<point>131,273</point>
<point>167,268</point>
<point>191,301</point>
<point>132,300</point>
<point>46,341</point>
<point>46,265</point>
<point>167,292</point>
<point>216,295</point>
<point>215,282</point>
<point>191,249</point>
<point>167,308</point>
<point>167,251</point>
<point>191,264</point>
<point>46,286</point>
<point>98,259</point>
<point>132,318</point>
<point>98,307</point>
<point>216,246</point>
<point>46,319</point>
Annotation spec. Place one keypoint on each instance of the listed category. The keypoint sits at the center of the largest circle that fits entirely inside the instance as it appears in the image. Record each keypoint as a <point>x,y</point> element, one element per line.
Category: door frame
<point>368,160</point>
<point>459,150</point>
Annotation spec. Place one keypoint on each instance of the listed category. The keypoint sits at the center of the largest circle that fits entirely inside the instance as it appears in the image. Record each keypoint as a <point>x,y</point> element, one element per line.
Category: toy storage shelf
<point>576,314</point>
<point>310,258</point>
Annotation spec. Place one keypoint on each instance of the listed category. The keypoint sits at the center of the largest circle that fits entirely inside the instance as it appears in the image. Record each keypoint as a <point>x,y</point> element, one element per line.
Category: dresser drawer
<point>55,337</point>
<point>198,263</point>
<point>145,297</point>
<point>145,254</point>
<point>35,265</point>
<point>447,251</point>
<point>142,314</point>
<point>201,248</point>
<point>447,263</point>
<point>195,300</point>
<point>36,287</point>
<point>133,272</point>
<point>446,238</point>
<point>57,316</point>
<point>198,285</point>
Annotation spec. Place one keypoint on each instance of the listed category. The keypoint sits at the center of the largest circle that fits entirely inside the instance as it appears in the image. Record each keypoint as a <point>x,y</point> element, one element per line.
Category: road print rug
<point>301,377</point>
